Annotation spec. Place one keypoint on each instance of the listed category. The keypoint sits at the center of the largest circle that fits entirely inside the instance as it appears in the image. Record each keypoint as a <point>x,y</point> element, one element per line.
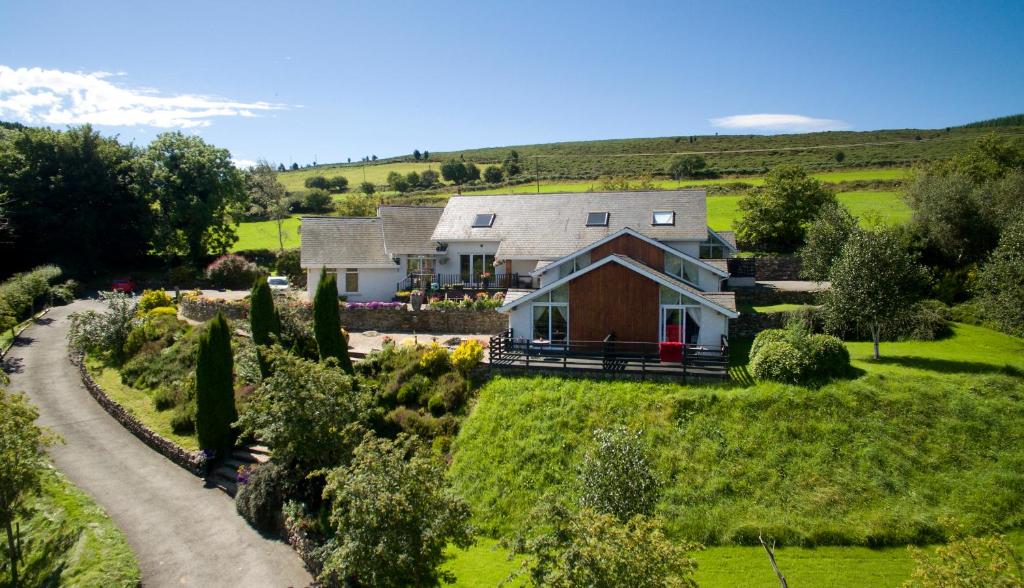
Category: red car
<point>126,285</point>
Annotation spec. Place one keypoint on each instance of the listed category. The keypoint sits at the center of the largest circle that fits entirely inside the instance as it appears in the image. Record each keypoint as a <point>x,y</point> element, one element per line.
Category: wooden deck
<point>609,357</point>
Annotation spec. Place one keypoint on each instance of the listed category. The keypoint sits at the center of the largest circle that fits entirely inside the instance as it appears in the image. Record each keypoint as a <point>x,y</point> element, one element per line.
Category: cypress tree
<point>215,397</point>
<point>263,320</point>
<point>327,323</point>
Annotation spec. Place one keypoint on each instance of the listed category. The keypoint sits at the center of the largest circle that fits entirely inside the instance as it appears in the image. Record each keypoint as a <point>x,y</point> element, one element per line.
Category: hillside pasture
<point>294,181</point>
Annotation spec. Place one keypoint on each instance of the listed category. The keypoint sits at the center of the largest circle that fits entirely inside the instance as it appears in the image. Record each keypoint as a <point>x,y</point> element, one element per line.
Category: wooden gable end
<point>613,299</point>
<point>630,246</point>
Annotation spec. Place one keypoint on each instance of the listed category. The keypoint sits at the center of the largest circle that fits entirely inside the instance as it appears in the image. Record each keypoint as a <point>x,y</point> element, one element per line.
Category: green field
<point>70,541</point>
<point>371,172</point>
<point>263,234</point>
<point>138,403</point>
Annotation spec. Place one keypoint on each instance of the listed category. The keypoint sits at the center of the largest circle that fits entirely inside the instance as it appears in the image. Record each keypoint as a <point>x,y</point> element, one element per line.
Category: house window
<point>421,265</point>
<point>483,221</point>
<point>663,217</point>
<point>351,280</point>
<point>472,267</point>
<point>597,219</point>
<point>551,316</point>
<point>573,265</point>
<point>680,268</point>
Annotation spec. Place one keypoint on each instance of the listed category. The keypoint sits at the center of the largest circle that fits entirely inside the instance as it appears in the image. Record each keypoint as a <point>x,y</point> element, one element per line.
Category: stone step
<point>225,479</point>
<point>243,456</point>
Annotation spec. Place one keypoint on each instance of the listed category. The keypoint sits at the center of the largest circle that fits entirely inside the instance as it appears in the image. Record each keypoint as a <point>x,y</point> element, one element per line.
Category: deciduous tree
<point>367,188</point>
<point>394,515</point>
<point>1001,281</point>
<point>493,174</point>
<point>454,171</point>
<point>22,461</point>
<point>825,239</point>
<point>686,166</point>
<point>776,216</point>
<point>616,476</point>
<point>397,182</point>
<point>874,280</point>
<point>267,197</point>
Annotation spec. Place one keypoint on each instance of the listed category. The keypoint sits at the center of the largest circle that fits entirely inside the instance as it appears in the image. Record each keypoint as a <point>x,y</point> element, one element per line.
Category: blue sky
<point>293,81</point>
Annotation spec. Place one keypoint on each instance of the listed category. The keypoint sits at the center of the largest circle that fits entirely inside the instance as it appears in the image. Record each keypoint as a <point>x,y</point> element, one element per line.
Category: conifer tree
<point>215,398</point>
<point>327,323</point>
<point>263,320</point>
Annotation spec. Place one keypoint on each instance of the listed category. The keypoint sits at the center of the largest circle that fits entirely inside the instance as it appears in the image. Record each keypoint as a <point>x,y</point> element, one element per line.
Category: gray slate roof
<point>407,229</point>
<point>342,241</point>
<point>548,226</point>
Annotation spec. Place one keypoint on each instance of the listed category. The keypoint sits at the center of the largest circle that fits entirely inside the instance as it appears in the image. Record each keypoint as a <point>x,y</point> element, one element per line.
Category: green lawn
<point>138,403</point>
<point>724,210</point>
<point>70,541</point>
<point>294,181</point>
<point>486,564</point>
<point>263,234</point>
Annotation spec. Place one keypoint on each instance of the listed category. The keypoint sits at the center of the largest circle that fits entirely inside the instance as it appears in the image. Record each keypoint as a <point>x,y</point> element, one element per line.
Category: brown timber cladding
<point>613,299</point>
<point>630,246</point>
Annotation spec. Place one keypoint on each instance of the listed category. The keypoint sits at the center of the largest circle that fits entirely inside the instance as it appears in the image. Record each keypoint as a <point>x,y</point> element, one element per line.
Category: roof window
<point>663,217</point>
<point>483,221</point>
<point>597,219</point>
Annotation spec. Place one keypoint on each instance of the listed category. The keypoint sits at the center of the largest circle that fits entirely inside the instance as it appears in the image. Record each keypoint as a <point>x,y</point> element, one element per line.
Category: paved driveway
<point>182,533</point>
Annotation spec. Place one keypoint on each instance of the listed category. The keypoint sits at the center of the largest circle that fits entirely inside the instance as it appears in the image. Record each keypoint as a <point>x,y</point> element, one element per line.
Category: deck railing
<point>434,282</point>
<point>610,356</point>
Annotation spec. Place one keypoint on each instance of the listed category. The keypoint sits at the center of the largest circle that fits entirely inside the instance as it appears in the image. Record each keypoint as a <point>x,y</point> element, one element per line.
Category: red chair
<point>670,352</point>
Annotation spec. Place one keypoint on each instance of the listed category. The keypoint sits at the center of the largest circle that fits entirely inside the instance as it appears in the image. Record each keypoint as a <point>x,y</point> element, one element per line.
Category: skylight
<point>597,219</point>
<point>482,221</point>
<point>663,217</point>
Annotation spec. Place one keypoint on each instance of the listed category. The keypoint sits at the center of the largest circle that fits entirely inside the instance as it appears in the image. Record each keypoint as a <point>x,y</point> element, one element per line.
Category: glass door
<point>673,325</point>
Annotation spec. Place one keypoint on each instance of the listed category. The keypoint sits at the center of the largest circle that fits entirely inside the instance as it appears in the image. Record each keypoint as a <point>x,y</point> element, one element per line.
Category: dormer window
<point>597,219</point>
<point>663,217</point>
<point>483,221</point>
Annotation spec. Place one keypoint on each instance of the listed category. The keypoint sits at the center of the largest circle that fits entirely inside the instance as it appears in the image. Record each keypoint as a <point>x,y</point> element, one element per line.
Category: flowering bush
<point>435,359</point>
<point>482,301</point>
<point>374,305</point>
<point>151,299</point>
<point>467,355</point>
<point>232,271</point>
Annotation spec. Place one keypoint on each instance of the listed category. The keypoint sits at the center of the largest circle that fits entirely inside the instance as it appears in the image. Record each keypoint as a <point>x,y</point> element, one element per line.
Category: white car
<point>278,283</point>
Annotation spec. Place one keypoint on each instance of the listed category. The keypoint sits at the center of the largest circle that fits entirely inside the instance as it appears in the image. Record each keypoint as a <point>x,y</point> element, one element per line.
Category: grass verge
<point>138,403</point>
<point>70,541</point>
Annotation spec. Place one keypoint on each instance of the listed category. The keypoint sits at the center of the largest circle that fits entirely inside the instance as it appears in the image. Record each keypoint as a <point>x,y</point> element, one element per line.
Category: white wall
<point>691,248</point>
<point>712,326</point>
<point>374,283</point>
<point>520,320</point>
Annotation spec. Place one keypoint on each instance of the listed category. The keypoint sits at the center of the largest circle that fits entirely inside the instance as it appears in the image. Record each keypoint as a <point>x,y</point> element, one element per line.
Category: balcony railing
<point>435,282</point>
<point>699,362</point>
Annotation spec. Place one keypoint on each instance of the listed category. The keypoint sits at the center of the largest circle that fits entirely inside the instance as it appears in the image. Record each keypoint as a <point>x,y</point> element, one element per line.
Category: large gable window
<point>663,217</point>
<point>680,268</point>
<point>551,316</point>
<point>483,221</point>
<point>597,219</point>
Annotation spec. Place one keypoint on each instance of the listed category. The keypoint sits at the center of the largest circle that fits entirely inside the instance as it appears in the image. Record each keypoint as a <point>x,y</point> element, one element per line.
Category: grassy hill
<point>726,154</point>
<point>934,430</point>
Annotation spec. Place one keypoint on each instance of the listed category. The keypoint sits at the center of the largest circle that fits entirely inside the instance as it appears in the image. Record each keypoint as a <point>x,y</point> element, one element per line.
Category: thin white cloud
<point>50,96</point>
<point>243,163</point>
<point>779,122</point>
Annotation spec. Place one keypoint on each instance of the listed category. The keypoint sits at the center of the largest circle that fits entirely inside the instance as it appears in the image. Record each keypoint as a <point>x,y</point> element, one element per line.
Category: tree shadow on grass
<point>947,366</point>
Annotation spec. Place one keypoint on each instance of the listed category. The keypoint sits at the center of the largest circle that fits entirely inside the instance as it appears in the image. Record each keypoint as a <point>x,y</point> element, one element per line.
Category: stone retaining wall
<point>195,462</point>
<point>400,320</point>
<point>778,268</point>
<point>765,296</point>
<point>204,309</point>
<point>749,324</point>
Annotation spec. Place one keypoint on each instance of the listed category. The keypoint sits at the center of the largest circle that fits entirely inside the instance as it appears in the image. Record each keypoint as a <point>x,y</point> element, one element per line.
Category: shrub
<point>162,311</point>
<point>337,184</point>
<point>827,357</point>
<point>316,182</point>
<point>435,360</point>
<point>764,337</point>
<point>467,355</point>
<point>22,292</point>
<point>317,201</point>
<point>232,271</point>
<point>327,323</point>
<point>151,299</point>
<point>64,293</point>
<point>779,361</point>
<point>260,498</point>
<point>215,398</point>
<point>93,332</point>
<point>413,390</point>
<point>616,476</point>
<point>181,276</point>
<point>966,563</point>
<point>928,321</point>
<point>166,398</point>
<point>263,321</point>
<point>452,389</point>
<point>183,421</point>
<point>288,264</point>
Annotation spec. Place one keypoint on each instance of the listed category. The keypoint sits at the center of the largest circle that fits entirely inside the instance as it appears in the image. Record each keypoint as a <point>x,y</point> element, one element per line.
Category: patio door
<point>471,266</point>
<point>679,323</point>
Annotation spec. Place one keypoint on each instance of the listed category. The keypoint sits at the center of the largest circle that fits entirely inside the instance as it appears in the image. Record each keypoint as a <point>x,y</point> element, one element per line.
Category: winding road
<point>182,533</point>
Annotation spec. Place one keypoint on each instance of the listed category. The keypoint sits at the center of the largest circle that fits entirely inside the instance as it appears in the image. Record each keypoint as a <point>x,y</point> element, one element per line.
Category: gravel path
<point>182,533</point>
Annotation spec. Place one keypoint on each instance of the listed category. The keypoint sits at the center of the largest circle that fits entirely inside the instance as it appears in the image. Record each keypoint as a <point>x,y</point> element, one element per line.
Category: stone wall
<point>204,309</point>
<point>195,462</point>
<point>400,320</point>
<point>749,324</point>
<point>778,268</point>
<point>765,295</point>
